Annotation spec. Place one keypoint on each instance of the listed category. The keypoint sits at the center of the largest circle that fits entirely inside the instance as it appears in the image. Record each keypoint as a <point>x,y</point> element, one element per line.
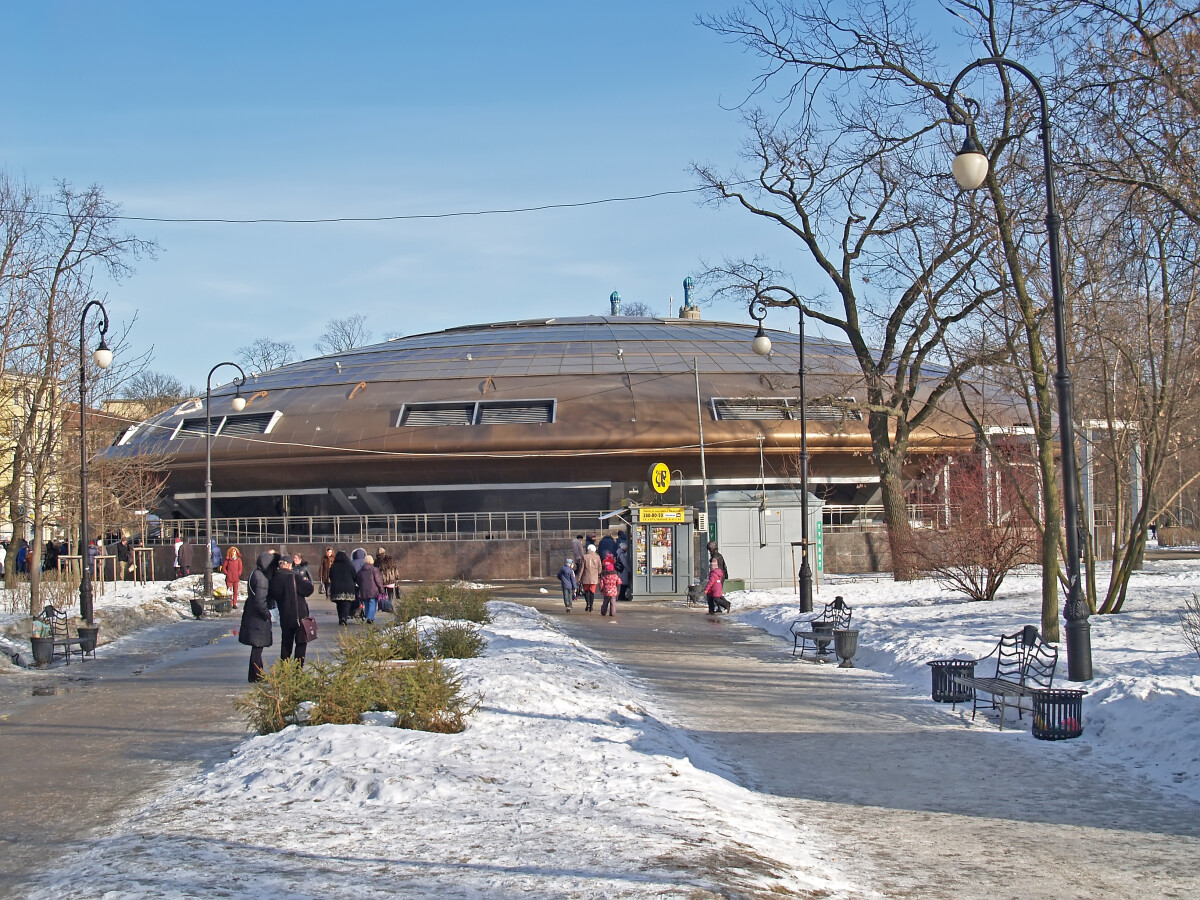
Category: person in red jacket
<point>610,586</point>
<point>232,568</point>
<point>714,590</point>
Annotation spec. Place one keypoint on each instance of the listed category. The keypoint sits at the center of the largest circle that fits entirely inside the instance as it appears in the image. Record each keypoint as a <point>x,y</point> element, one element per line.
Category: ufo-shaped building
<point>536,415</point>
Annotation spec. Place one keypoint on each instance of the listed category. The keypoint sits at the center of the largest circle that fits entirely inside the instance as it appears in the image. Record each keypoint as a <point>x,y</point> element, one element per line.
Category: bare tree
<point>637,308</point>
<point>153,392</point>
<point>344,334</point>
<point>857,178</point>
<point>264,354</point>
<point>71,235</point>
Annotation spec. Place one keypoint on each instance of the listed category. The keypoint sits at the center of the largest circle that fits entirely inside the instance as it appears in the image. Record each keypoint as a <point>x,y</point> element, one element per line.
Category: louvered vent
<point>194,427</point>
<point>753,408</point>
<point>537,412</point>
<point>437,414</point>
<point>247,426</point>
<point>762,409</point>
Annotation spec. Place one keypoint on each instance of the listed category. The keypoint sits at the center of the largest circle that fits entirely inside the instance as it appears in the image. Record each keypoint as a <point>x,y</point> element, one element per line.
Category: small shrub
<point>1189,620</point>
<point>362,646</point>
<point>271,704</point>
<point>456,640</point>
<point>429,697</point>
<point>444,601</point>
<point>343,693</point>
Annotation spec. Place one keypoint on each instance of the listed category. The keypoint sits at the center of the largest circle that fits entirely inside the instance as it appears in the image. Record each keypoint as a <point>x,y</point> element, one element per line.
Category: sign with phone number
<point>661,514</point>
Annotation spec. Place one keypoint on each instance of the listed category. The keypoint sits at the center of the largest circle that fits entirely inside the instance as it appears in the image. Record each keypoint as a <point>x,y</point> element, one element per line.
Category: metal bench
<point>837,614</point>
<point>1024,666</point>
<point>57,621</point>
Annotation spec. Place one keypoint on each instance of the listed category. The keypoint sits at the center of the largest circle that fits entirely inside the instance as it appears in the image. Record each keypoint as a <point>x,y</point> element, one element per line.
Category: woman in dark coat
<point>370,587</point>
<point>342,586</point>
<point>255,630</point>
<point>288,591</point>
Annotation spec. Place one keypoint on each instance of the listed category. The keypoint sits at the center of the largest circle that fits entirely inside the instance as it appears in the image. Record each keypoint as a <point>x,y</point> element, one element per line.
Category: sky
<point>311,110</point>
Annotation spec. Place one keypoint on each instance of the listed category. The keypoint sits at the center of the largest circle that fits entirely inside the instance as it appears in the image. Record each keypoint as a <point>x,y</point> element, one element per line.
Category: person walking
<point>326,562</point>
<point>214,552</point>
<point>714,589</point>
<point>715,554</point>
<point>255,627</point>
<point>124,554</point>
<point>93,550</point>
<point>577,553</point>
<point>625,570</point>
<point>342,586</point>
<point>183,557</point>
<point>570,584</point>
<point>232,569</point>
<point>589,576</point>
<point>370,587</point>
<point>610,586</point>
<point>288,591</point>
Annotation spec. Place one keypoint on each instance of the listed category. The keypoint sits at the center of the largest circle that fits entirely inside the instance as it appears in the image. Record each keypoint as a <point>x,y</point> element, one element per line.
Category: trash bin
<point>87,637</point>
<point>43,650</point>
<point>944,689</point>
<point>1057,714</point>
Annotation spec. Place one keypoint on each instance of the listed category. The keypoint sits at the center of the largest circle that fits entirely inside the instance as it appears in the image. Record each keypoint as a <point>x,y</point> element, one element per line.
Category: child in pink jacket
<point>610,586</point>
<point>714,590</point>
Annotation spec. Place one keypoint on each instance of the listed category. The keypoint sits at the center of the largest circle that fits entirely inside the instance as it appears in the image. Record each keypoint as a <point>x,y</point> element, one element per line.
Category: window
<point>763,409</point>
<point>248,425</point>
<point>488,412</point>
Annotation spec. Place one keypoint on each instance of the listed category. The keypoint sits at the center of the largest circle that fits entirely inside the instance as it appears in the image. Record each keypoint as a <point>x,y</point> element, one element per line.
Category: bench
<point>56,621</point>
<point>837,614</point>
<point>1024,666</point>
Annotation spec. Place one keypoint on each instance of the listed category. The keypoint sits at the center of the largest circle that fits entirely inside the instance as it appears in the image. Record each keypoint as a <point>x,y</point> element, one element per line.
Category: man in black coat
<point>255,629</point>
<point>288,591</point>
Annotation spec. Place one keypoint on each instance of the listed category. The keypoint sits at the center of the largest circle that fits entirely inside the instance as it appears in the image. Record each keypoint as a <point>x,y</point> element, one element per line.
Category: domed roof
<point>591,387</point>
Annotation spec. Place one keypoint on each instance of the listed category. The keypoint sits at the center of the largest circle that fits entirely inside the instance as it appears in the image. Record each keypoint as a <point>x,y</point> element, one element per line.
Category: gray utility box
<point>761,534</point>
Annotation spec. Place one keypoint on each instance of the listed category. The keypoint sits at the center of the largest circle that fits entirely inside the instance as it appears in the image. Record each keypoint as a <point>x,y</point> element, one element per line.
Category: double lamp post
<point>238,403</point>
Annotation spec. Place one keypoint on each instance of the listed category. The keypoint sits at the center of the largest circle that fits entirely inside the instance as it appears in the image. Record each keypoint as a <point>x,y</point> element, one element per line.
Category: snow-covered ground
<point>565,783</point>
<point>122,609</point>
<point>1143,706</point>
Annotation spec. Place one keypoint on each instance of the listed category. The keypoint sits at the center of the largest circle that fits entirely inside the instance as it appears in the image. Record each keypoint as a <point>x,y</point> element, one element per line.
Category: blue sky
<point>305,109</point>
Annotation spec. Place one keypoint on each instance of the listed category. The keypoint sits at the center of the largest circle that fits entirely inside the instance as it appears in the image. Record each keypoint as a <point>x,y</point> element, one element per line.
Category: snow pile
<point>563,784</point>
<point>1142,708</point>
<point>123,608</point>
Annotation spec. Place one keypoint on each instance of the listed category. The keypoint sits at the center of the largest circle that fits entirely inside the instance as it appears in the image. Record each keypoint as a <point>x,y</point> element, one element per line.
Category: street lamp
<point>970,169</point>
<point>762,346</point>
<point>239,403</point>
<point>103,357</point>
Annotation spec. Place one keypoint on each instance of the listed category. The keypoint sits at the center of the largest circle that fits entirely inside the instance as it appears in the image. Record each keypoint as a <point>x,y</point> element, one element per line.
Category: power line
<point>399,218</point>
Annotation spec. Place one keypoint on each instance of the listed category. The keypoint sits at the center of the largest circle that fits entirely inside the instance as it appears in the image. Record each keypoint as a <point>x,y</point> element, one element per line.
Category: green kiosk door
<point>662,538</point>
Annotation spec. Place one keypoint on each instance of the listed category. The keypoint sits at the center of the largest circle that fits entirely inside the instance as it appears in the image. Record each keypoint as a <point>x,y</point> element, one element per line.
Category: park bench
<point>1024,667</point>
<point>837,616</point>
<point>56,621</point>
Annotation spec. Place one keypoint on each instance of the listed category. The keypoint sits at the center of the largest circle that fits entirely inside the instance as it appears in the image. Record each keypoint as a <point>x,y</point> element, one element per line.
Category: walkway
<point>921,806</point>
<point>83,743</point>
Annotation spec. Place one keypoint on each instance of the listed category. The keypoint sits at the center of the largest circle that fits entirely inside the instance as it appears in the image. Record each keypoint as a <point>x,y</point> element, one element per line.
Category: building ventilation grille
<point>497,412</point>
<point>247,426</point>
<point>437,414</point>
<point>765,409</point>
<point>537,413</point>
<point>194,427</point>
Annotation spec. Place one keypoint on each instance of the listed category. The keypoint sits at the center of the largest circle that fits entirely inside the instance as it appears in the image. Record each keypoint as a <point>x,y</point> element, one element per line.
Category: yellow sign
<point>660,514</point>
<point>659,478</point>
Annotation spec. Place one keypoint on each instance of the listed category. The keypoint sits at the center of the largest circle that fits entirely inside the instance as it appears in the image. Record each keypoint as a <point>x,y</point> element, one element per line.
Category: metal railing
<point>385,528</point>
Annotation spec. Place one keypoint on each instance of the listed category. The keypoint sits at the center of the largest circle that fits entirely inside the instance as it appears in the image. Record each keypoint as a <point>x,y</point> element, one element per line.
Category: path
<point>82,743</point>
<point>922,806</point>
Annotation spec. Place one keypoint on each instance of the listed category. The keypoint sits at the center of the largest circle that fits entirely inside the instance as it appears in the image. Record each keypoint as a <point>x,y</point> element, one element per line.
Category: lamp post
<point>762,346</point>
<point>239,403</point>
<point>970,169</point>
<point>103,357</point>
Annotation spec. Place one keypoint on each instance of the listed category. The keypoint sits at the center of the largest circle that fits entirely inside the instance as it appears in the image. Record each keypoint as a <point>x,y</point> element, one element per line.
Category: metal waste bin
<point>1057,714</point>
<point>945,689</point>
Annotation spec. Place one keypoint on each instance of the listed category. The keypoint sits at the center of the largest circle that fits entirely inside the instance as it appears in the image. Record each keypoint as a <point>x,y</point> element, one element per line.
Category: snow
<point>1143,707</point>
<point>568,781</point>
<point>565,783</point>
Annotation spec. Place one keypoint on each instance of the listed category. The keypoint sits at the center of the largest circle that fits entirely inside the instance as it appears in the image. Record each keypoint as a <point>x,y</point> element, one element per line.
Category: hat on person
<point>712,546</point>
<point>591,548</point>
<point>382,552</point>
<point>622,545</point>
<point>608,564</point>
<point>570,560</point>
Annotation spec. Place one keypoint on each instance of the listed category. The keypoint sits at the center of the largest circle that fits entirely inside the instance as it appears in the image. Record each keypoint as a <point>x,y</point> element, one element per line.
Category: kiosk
<point>662,550</point>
